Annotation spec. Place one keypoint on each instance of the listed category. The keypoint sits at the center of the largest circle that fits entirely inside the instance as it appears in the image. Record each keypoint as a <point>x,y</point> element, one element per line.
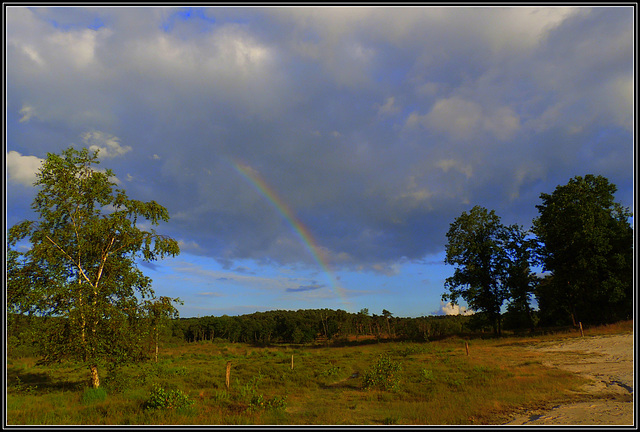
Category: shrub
<point>160,398</point>
<point>383,375</point>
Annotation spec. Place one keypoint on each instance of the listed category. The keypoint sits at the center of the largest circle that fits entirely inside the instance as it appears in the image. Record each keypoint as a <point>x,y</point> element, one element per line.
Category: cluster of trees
<point>308,325</point>
<point>583,240</point>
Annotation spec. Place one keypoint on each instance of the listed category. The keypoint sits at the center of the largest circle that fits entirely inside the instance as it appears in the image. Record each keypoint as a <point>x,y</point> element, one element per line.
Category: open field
<point>500,381</point>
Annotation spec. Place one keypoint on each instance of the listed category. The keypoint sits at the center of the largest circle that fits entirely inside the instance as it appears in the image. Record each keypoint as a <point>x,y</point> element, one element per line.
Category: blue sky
<point>375,126</point>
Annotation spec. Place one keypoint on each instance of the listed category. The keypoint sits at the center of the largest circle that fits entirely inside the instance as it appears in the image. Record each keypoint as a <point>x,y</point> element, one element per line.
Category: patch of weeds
<point>409,350</point>
<point>162,399</point>
<point>455,384</point>
<point>331,371</point>
<point>480,373</point>
<point>181,371</point>
<point>427,375</point>
<point>384,374</point>
<point>249,389</point>
<point>220,396</point>
<point>92,395</point>
<point>259,402</point>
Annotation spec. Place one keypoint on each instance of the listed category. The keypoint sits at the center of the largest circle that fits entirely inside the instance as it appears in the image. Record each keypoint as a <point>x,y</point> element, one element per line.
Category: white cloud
<point>462,120</point>
<point>447,164</point>
<point>618,96</point>
<point>388,108</point>
<point>451,309</point>
<point>27,112</point>
<point>503,123</point>
<point>33,54</point>
<point>22,169</point>
<point>454,116</point>
<point>190,245</point>
<point>79,46</point>
<point>108,146</point>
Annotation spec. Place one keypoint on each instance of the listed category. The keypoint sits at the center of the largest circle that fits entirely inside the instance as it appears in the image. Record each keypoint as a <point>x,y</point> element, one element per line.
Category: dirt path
<point>608,362</point>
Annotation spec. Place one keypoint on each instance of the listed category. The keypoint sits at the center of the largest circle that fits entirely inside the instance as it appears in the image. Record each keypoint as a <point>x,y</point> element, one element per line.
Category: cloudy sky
<point>314,157</point>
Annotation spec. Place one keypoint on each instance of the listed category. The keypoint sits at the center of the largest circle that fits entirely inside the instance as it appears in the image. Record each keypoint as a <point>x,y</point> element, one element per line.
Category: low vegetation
<point>386,383</point>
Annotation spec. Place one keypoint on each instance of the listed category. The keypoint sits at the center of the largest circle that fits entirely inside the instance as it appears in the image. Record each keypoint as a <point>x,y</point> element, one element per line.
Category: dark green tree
<point>586,242</point>
<point>521,281</point>
<point>476,246</point>
<point>80,267</point>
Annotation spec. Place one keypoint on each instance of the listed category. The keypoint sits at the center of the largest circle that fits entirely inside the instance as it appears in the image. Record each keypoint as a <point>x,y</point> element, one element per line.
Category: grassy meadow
<point>386,383</point>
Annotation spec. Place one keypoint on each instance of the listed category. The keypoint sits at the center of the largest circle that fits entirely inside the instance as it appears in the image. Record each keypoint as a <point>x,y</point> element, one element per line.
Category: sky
<point>314,157</point>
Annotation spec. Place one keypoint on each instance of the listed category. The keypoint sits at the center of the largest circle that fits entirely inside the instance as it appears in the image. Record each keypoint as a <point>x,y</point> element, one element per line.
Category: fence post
<point>581,332</point>
<point>466,346</point>
<point>228,374</point>
<point>291,361</point>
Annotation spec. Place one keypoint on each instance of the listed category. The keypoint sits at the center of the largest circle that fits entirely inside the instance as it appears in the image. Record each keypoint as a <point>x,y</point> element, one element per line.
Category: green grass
<point>437,384</point>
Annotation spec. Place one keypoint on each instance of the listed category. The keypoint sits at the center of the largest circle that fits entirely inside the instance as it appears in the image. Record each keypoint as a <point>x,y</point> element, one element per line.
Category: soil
<point>608,363</point>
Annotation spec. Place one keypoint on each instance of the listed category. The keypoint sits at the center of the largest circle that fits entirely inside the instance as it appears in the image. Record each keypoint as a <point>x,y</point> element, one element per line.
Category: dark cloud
<point>303,288</point>
<point>376,126</point>
<point>149,265</point>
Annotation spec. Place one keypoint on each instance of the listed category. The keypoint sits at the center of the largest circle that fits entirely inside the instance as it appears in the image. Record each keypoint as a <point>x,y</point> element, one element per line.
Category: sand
<point>608,362</point>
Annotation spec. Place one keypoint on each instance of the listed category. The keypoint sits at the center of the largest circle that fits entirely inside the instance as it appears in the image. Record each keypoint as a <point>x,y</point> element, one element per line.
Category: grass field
<point>430,383</point>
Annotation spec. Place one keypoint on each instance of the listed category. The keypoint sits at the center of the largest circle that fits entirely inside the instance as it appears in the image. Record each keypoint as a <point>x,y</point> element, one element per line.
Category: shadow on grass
<point>37,382</point>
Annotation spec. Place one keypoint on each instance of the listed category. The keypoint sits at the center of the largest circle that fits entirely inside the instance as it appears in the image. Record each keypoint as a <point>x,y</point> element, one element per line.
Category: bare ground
<point>608,363</point>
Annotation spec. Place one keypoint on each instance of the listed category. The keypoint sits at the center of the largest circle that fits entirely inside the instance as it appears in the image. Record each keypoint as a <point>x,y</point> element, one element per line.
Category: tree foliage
<point>586,242</point>
<point>521,281</point>
<point>477,247</point>
<point>80,266</point>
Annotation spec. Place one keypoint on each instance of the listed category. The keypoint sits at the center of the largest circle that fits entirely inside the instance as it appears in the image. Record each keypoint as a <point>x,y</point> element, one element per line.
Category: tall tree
<point>81,264</point>
<point>476,247</point>
<point>387,315</point>
<point>587,243</point>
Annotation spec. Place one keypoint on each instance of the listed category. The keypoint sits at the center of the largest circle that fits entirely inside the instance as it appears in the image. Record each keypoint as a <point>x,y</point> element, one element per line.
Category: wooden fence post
<point>228,374</point>
<point>581,332</point>
<point>466,346</point>
<point>291,361</point>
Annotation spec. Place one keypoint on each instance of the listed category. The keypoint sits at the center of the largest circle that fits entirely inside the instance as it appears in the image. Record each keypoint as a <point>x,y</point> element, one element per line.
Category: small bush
<point>160,398</point>
<point>93,395</point>
<point>383,375</point>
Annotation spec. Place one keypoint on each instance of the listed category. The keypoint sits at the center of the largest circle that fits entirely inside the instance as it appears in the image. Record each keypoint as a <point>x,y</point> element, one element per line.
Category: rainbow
<point>254,178</point>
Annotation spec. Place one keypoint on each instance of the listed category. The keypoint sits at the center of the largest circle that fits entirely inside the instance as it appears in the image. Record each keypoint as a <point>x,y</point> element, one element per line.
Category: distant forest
<point>337,326</point>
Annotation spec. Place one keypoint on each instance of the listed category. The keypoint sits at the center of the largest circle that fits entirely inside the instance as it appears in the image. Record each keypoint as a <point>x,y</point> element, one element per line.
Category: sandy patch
<point>607,361</point>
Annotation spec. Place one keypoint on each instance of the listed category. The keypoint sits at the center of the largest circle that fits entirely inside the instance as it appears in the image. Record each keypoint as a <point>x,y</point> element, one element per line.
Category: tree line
<point>320,325</point>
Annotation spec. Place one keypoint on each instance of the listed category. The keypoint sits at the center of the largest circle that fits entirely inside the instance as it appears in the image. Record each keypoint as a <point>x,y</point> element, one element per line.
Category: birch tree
<point>80,267</point>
